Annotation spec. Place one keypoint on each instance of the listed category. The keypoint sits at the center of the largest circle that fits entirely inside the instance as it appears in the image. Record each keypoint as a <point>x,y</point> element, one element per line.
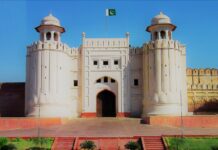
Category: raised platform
<point>92,127</point>
<point>94,115</point>
<point>111,126</point>
<point>14,123</point>
<point>205,121</point>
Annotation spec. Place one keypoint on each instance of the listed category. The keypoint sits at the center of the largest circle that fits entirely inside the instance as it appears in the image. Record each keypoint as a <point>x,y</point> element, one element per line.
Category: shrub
<point>3,141</point>
<point>16,140</point>
<point>214,148</point>
<point>88,145</point>
<point>132,145</point>
<point>9,147</point>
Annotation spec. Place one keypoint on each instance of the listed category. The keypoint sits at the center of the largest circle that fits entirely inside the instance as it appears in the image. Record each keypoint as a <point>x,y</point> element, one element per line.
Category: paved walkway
<point>108,127</point>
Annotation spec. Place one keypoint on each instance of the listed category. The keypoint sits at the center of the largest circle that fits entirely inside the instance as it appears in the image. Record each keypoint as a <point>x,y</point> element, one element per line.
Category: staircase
<point>149,143</point>
<point>153,143</point>
<point>63,143</point>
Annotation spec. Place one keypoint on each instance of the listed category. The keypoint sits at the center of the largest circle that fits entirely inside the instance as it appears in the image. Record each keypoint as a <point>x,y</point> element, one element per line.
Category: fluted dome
<point>160,19</point>
<point>50,20</point>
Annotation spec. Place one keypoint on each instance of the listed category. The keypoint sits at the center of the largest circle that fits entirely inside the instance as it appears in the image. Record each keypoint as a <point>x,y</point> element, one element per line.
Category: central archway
<point>106,104</point>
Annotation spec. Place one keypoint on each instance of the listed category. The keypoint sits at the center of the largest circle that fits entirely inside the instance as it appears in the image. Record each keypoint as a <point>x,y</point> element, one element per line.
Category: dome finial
<point>160,19</point>
<point>50,13</point>
<point>50,20</point>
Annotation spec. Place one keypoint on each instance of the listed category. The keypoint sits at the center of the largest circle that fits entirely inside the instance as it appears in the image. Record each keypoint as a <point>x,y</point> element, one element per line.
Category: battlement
<point>163,43</point>
<point>135,50</point>
<point>197,72</point>
<point>58,46</point>
<point>105,42</point>
<point>202,79</point>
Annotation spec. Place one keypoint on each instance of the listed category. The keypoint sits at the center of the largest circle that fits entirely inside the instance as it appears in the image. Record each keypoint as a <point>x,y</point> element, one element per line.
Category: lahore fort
<point>109,94</point>
<point>106,77</point>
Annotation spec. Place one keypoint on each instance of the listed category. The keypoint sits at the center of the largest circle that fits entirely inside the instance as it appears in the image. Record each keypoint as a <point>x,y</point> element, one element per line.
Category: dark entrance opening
<point>106,104</point>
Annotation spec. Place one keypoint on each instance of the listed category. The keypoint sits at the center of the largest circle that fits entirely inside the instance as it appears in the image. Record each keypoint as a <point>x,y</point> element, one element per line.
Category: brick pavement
<point>107,127</point>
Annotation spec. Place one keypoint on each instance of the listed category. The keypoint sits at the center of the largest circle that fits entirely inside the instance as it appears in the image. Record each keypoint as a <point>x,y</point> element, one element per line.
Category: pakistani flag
<point>110,12</point>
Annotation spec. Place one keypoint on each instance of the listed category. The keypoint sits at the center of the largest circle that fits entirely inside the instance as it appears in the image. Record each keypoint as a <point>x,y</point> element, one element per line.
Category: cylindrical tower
<point>164,70</point>
<point>48,78</point>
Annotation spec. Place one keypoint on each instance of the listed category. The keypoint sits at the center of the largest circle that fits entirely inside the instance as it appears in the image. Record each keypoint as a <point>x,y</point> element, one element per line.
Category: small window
<point>136,82</point>
<point>75,82</point>
<point>115,62</point>
<point>55,36</point>
<point>113,81</point>
<point>105,79</point>
<point>95,62</point>
<point>155,35</point>
<point>163,35</point>
<point>99,81</point>
<point>105,63</point>
<point>169,34</point>
<point>48,36</point>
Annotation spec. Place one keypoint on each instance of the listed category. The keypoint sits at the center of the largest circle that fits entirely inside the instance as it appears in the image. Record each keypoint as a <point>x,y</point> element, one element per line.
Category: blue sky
<point>196,21</point>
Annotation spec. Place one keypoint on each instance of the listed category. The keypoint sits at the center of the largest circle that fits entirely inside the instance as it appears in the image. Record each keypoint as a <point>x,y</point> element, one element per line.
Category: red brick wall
<point>12,99</point>
<point>28,123</point>
<point>206,121</point>
<point>203,106</point>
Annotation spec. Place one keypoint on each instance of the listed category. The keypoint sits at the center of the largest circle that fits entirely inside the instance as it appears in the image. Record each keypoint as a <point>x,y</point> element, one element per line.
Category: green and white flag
<point>110,12</point>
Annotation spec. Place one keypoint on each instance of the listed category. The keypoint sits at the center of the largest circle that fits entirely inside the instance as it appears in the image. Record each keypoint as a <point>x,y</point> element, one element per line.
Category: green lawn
<point>189,143</point>
<point>27,144</point>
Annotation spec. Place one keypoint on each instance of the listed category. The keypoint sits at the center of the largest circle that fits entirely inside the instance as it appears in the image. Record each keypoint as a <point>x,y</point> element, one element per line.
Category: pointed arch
<point>106,104</point>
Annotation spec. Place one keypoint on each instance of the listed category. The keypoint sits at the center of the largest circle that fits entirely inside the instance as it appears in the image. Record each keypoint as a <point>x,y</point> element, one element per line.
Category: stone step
<point>63,143</point>
<point>153,146</point>
<point>157,145</point>
<point>153,143</point>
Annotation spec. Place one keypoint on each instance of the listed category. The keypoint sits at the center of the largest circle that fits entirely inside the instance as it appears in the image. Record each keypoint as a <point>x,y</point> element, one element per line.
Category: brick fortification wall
<point>12,99</point>
<point>202,85</point>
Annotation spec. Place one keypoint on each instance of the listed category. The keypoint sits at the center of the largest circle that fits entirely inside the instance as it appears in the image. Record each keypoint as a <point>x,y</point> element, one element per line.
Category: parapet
<point>214,72</point>
<point>56,46</point>
<point>188,71</point>
<point>105,42</point>
<point>164,44</point>
<point>202,72</point>
<point>202,79</point>
<point>135,50</point>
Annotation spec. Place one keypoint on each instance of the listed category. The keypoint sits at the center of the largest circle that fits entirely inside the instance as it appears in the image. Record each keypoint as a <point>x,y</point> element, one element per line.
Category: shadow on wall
<point>206,107</point>
<point>12,99</point>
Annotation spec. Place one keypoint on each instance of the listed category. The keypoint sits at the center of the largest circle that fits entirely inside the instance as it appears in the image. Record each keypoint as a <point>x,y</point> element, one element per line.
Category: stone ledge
<point>28,123</point>
<point>187,121</point>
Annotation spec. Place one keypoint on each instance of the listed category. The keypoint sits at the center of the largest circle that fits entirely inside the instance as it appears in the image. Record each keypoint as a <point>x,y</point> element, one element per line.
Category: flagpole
<point>106,26</point>
<point>106,23</point>
<point>181,114</point>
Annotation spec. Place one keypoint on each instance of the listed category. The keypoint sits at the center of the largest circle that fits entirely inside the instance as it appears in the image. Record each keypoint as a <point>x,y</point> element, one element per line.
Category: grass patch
<point>192,143</point>
<point>28,143</point>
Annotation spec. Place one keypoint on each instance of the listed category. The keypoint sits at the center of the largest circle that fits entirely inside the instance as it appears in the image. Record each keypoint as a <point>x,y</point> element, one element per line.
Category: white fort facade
<point>105,77</point>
